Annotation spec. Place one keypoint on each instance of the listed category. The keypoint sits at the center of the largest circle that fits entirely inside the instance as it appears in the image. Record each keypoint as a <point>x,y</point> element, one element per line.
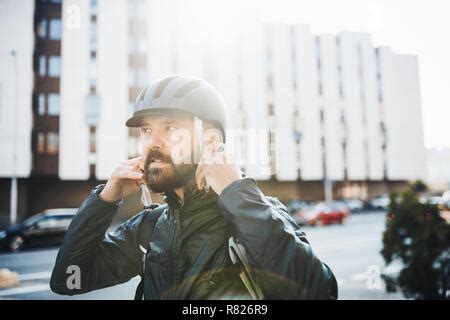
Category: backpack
<point>235,249</point>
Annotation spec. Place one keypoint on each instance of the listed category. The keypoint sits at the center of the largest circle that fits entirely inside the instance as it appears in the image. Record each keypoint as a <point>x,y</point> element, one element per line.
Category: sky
<point>417,27</point>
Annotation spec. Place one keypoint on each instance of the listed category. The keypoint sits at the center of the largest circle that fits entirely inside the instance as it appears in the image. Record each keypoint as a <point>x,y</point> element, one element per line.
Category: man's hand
<point>125,179</point>
<point>218,170</point>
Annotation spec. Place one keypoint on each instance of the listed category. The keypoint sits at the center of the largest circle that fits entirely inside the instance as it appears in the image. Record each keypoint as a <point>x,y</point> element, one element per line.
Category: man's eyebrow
<point>172,121</point>
<point>168,121</point>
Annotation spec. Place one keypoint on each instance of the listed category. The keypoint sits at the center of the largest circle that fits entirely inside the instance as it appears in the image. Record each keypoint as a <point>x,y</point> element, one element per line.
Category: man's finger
<point>200,176</point>
<point>129,168</point>
<point>128,174</point>
<point>135,161</point>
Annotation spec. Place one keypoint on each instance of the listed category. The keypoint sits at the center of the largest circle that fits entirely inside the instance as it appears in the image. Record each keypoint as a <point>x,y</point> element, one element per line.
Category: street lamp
<point>13,193</point>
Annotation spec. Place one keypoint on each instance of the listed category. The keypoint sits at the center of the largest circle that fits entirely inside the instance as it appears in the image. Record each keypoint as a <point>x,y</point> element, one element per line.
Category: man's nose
<point>155,141</point>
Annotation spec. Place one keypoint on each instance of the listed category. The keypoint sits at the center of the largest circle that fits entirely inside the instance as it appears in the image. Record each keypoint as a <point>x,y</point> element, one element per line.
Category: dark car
<point>295,206</point>
<point>44,229</point>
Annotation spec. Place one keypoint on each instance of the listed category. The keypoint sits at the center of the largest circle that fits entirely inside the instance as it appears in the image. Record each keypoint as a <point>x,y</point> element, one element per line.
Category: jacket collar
<point>193,197</point>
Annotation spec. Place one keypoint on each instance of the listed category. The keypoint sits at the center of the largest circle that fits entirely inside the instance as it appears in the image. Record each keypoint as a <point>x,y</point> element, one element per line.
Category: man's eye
<point>170,128</point>
<point>146,130</point>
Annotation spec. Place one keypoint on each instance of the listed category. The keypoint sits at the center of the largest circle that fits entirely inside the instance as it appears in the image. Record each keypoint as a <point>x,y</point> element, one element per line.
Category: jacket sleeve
<point>103,259</point>
<point>284,263</point>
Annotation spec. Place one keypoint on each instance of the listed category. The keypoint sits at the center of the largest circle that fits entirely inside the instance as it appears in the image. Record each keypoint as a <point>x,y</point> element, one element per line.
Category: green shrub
<point>418,236</point>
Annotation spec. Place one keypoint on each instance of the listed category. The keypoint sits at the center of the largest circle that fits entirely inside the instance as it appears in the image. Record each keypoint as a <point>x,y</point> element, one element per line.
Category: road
<point>351,250</point>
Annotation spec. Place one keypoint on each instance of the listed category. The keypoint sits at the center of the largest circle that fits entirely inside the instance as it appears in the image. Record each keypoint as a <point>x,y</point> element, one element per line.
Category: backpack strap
<point>146,227</point>
<point>239,258</point>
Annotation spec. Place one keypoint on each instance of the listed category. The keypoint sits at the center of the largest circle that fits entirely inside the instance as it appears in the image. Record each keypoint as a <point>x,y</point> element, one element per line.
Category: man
<point>187,255</point>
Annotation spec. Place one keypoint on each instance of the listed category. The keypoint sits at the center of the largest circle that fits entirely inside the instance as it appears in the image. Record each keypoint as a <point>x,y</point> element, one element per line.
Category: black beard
<point>169,177</point>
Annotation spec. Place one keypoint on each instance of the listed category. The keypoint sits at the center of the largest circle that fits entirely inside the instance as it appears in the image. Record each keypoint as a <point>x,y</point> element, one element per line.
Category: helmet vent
<point>142,94</point>
<point>162,86</point>
<point>186,89</point>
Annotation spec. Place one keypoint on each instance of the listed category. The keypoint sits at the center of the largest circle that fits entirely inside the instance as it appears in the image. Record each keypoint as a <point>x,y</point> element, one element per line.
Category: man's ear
<point>212,138</point>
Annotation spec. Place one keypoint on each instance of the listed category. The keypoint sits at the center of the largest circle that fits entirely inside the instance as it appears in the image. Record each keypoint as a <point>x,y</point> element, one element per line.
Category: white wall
<point>308,104</point>
<point>159,36</point>
<point>332,127</point>
<point>112,60</point>
<point>74,87</point>
<point>372,110</point>
<point>438,165</point>
<point>283,100</point>
<point>190,38</point>
<point>16,85</point>
<point>353,105</point>
<point>401,95</point>
<point>254,100</point>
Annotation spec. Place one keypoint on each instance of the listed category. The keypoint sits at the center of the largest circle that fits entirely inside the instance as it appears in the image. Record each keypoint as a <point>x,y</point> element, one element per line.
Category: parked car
<point>323,213</point>
<point>436,200</point>
<point>446,195</point>
<point>381,202</point>
<point>294,206</point>
<point>446,198</point>
<point>353,204</point>
<point>43,229</point>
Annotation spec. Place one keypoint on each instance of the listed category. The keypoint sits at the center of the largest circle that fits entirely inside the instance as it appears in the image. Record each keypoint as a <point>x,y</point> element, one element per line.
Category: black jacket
<point>188,250</point>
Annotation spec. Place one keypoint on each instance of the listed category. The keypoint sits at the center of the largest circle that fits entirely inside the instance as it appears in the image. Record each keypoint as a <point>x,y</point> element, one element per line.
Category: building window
<point>93,72</point>
<point>1,104</point>
<point>131,77</point>
<point>132,44</point>
<point>93,36</point>
<point>137,44</point>
<point>271,110</point>
<point>41,143</point>
<point>55,29</point>
<point>142,77</point>
<point>341,90</point>
<point>269,81</point>
<point>42,66</point>
<point>54,66</point>
<point>380,96</point>
<point>142,45</point>
<point>52,143</point>
<point>53,104</point>
<point>130,107</point>
<point>137,77</point>
<point>41,104</point>
<point>136,9</point>
<point>92,109</point>
<point>92,140</point>
<point>93,7</point>
<point>42,29</point>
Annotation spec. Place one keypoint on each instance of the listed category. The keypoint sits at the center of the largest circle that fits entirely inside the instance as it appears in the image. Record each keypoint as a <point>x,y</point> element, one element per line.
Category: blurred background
<point>340,103</point>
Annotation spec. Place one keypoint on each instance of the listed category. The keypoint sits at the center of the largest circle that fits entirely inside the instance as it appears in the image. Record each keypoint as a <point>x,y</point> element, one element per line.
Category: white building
<point>336,108</point>
<point>438,169</point>
<point>16,87</point>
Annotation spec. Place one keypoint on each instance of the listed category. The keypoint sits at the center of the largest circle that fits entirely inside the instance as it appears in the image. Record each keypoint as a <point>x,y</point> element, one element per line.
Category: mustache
<point>156,154</point>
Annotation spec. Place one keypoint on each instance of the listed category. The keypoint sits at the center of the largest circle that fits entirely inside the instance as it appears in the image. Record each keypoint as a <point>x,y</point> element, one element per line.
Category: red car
<point>323,213</point>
